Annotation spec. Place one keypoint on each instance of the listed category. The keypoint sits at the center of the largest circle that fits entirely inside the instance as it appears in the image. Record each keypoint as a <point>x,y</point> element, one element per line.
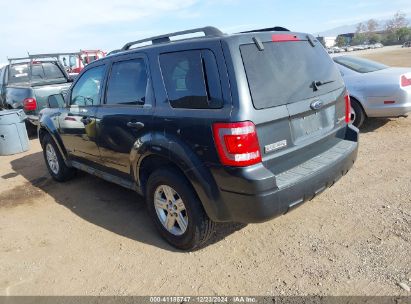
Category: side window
<point>191,79</point>
<point>127,83</point>
<point>86,91</point>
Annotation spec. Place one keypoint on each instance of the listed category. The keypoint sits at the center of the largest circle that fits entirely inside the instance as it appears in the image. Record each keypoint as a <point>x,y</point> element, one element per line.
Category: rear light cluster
<point>347,108</point>
<point>405,81</point>
<point>30,104</point>
<point>237,143</point>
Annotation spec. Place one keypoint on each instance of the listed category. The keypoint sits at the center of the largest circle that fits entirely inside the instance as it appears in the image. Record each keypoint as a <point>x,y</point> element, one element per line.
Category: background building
<point>327,41</point>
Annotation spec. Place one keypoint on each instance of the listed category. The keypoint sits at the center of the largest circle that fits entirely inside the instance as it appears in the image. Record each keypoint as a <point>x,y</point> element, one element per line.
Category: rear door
<point>124,120</point>
<point>297,92</point>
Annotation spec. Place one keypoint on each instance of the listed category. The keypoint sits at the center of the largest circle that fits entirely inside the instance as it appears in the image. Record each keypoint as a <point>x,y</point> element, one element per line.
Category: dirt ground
<point>90,237</point>
<point>392,56</point>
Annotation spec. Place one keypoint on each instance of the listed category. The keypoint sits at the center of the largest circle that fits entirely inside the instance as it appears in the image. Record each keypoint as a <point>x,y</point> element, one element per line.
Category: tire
<point>168,185</point>
<point>54,161</point>
<point>357,114</point>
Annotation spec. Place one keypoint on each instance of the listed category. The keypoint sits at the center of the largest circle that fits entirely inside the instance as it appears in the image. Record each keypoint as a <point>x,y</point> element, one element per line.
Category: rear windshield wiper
<point>317,83</point>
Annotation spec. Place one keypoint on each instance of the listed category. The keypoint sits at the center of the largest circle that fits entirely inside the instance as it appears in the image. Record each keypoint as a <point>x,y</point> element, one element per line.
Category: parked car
<point>216,128</point>
<point>27,83</point>
<point>348,48</point>
<point>407,44</point>
<point>358,48</point>
<point>376,90</point>
<point>336,49</point>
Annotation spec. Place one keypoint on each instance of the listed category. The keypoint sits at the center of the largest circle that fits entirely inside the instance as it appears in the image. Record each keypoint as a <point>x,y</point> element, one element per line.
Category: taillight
<point>405,81</point>
<point>237,143</point>
<point>284,38</point>
<point>30,104</point>
<point>347,108</point>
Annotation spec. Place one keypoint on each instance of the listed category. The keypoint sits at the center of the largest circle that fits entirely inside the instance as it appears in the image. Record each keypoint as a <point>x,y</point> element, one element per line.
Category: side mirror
<point>55,101</point>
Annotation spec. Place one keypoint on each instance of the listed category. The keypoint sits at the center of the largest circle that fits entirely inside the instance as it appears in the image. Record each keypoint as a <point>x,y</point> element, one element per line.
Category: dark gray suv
<point>217,128</point>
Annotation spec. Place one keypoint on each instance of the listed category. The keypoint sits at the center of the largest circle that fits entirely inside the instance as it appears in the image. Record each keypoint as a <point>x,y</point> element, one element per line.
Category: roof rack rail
<point>208,31</point>
<point>269,29</point>
<point>39,56</point>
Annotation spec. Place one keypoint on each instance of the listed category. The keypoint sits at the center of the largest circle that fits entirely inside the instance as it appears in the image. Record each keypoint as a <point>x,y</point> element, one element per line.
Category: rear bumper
<point>291,188</point>
<point>390,110</point>
<point>375,107</point>
<point>33,119</point>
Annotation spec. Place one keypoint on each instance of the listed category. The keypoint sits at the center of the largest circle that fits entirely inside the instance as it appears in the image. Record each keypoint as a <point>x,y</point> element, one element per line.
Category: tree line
<point>395,31</point>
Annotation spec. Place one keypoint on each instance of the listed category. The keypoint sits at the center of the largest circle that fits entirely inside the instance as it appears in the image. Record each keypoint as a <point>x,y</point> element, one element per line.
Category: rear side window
<point>360,65</point>
<point>39,72</point>
<point>284,72</point>
<point>127,83</point>
<point>19,73</point>
<point>191,79</point>
<point>46,71</point>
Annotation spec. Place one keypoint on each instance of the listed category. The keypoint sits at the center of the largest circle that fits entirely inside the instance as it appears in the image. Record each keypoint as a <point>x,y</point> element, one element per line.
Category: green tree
<point>359,38</point>
<point>374,38</point>
<point>403,34</point>
<point>390,39</point>
<point>340,41</point>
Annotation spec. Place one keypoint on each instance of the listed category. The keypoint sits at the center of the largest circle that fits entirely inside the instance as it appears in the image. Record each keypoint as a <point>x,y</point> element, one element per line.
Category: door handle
<point>86,120</point>
<point>135,125</point>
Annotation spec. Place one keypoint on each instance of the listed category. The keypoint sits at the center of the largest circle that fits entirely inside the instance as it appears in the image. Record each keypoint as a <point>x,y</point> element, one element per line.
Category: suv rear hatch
<point>299,97</point>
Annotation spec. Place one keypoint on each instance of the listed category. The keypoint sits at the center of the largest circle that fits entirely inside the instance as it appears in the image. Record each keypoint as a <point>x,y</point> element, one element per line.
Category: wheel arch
<point>43,131</point>
<point>356,99</point>
<point>199,178</point>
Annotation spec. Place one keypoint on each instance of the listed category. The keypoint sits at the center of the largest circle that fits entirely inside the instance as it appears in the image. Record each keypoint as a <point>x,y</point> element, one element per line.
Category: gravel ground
<point>90,237</point>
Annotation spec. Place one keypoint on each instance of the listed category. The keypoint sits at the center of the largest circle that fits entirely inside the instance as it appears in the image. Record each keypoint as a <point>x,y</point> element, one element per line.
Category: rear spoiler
<point>268,29</point>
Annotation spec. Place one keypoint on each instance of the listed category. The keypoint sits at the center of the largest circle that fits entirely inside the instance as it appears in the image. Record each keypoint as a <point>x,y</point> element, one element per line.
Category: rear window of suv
<point>284,72</point>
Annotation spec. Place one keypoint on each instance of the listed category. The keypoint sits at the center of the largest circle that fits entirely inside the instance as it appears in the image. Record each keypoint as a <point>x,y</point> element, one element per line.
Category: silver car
<point>376,90</point>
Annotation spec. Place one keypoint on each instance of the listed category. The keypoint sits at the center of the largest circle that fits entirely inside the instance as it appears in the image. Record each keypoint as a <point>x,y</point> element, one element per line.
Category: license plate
<point>314,123</point>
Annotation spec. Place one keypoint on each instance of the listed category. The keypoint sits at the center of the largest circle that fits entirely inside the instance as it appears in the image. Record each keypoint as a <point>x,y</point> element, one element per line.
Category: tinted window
<point>86,91</point>
<point>283,72</point>
<point>46,71</point>
<point>359,65</point>
<point>127,83</point>
<point>39,72</point>
<point>191,79</point>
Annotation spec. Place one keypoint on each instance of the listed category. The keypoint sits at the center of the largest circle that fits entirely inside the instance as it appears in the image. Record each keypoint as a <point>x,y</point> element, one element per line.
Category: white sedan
<point>376,90</point>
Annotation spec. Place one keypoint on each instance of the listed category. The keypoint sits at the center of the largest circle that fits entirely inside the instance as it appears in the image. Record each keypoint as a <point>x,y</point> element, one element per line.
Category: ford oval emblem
<point>316,105</point>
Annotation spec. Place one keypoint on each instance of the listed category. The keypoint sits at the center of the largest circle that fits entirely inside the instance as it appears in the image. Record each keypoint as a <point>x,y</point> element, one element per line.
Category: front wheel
<point>54,161</point>
<point>176,211</point>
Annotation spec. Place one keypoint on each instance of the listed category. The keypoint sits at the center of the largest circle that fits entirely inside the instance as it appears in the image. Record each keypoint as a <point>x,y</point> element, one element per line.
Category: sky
<point>48,26</point>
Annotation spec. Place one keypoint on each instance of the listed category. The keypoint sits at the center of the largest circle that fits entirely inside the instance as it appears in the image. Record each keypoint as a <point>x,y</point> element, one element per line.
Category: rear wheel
<point>176,211</point>
<point>54,161</point>
<point>357,113</point>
